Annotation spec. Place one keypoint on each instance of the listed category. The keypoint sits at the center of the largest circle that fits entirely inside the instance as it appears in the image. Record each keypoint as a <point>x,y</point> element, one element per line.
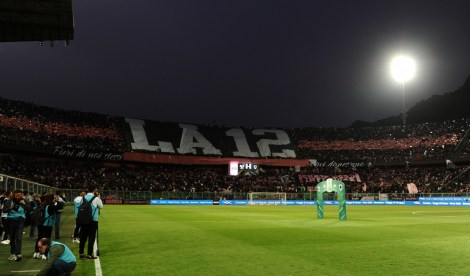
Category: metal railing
<point>11,183</point>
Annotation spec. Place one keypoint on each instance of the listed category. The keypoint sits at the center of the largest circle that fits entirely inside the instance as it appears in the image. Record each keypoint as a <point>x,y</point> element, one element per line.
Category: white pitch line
<point>24,271</point>
<point>206,221</point>
<point>98,271</point>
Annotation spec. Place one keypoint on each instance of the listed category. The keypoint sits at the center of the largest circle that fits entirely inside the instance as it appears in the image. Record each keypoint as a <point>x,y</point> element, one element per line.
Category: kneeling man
<point>60,259</point>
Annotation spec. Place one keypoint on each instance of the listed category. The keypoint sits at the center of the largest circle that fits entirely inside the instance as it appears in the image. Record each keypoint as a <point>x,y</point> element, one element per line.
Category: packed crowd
<point>32,126</point>
<point>29,125</point>
<point>426,180</point>
<point>435,140</point>
<point>44,128</point>
<point>69,174</point>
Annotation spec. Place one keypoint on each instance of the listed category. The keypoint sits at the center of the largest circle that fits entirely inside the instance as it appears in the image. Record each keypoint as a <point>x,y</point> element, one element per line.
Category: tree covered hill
<point>448,106</point>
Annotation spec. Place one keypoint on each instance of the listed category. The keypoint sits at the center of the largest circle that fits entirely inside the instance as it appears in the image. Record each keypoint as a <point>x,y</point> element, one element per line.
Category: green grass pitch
<point>272,240</point>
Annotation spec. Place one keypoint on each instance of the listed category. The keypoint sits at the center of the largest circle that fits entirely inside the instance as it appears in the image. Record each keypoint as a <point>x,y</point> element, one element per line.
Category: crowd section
<point>433,140</point>
<point>372,150</point>
<point>68,174</point>
<point>33,126</point>
<point>45,128</point>
<point>426,180</point>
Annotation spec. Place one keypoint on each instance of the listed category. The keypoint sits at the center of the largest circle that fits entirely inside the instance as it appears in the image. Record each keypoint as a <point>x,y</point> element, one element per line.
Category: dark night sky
<point>251,63</point>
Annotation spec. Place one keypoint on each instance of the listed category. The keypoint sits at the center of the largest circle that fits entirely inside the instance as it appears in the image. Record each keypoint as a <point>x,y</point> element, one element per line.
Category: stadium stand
<point>434,140</point>
<point>370,160</point>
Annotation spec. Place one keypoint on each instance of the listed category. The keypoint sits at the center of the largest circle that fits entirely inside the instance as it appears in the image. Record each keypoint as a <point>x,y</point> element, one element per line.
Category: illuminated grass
<point>281,240</point>
<point>271,240</point>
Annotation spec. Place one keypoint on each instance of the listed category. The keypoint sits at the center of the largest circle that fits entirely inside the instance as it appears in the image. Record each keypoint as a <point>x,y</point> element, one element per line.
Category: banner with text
<point>308,202</point>
<point>316,178</point>
<point>223,141</point>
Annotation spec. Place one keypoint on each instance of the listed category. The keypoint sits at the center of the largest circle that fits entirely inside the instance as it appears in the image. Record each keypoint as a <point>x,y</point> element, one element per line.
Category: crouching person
<point>60,259</point>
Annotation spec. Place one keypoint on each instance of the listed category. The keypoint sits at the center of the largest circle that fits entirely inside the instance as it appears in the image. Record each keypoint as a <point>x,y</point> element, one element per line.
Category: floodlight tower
<point>403,69</point>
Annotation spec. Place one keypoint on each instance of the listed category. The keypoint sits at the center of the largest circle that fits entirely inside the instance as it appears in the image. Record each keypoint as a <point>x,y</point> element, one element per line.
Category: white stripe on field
<point>98,267</point>
<point>24,271</point>
<point>98,271</point>
<point>206,221</point>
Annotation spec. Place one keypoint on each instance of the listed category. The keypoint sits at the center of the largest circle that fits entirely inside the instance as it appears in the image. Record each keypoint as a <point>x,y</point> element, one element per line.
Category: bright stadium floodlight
<point>403,69</point>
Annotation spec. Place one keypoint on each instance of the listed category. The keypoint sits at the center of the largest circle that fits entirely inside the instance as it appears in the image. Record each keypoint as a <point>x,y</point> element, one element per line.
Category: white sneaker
<point>37,255</point>
<point>5,242</point>
<point>43,257</point>
<point>12,257</point>
<point>76,241</point>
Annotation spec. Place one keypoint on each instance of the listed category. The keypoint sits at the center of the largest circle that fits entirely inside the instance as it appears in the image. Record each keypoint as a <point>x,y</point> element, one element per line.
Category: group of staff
<point>60,259</point>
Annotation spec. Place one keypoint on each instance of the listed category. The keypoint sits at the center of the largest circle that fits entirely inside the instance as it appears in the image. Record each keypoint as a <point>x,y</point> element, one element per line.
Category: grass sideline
<point>29,266</point>
<point>275,240</point>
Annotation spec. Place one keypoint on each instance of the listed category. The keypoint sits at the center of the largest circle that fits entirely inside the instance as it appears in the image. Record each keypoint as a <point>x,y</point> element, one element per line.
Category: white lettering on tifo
<point>192,140</point>
<point>140,138</point>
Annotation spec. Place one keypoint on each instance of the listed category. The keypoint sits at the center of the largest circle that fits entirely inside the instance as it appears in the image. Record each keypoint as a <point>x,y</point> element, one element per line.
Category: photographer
<point>51,205</point>
<point>36,203</point>
<point>16,209</point>
<point>88,231</point>
<point>61,198</point>
<point>4,222</point>
<point>76,204</point>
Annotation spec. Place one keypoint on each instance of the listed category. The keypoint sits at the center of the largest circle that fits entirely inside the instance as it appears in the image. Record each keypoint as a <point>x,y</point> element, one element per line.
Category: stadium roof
<point>36,20</point>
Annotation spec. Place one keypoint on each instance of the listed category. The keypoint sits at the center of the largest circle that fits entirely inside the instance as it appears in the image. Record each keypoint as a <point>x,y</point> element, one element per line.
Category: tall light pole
<point>403,69</point>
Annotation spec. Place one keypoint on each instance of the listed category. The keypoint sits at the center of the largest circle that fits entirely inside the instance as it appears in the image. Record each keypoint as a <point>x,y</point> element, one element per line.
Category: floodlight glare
<point>403,68</point>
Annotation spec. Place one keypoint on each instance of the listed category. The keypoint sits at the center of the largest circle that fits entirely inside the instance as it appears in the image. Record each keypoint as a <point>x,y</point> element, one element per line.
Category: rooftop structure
<point>36,20</point>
